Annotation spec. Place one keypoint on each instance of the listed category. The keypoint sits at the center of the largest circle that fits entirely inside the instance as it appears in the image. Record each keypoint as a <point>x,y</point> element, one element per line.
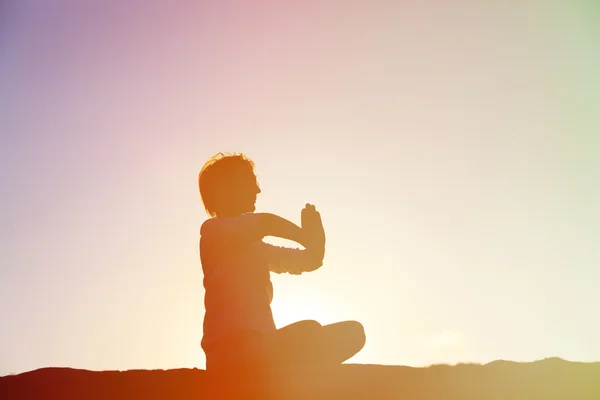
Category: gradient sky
<point>453,150</point>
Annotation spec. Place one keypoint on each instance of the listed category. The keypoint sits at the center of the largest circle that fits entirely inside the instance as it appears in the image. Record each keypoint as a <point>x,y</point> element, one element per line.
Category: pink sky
<point>467,134</point>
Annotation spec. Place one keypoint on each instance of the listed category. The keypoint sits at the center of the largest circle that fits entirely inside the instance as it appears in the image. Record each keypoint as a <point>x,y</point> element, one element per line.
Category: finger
<point>317,217</point>
<point>310,209</point>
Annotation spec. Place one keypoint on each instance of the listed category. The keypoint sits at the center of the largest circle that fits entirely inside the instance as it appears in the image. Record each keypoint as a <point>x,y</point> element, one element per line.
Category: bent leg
<point>310,342</point>
<point>343,340</point>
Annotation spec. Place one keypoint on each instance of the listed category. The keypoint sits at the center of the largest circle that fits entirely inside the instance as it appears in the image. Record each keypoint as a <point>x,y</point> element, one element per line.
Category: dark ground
<point>547,379</point>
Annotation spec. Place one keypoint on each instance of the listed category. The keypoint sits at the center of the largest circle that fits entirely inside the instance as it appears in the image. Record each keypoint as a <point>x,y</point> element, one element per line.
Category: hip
<point>241,348</point>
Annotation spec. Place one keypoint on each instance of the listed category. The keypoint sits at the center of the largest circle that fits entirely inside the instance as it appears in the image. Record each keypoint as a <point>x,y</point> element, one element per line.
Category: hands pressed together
<point>312,225</point>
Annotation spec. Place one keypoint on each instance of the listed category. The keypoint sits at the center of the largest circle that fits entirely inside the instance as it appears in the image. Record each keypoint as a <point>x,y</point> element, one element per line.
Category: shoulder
<point>224,223</point>
<point>209,225</point>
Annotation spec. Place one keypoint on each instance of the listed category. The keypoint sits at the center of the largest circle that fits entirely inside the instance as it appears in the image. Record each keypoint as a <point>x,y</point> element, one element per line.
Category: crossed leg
<point>310,342</point>
<point>303,342</point>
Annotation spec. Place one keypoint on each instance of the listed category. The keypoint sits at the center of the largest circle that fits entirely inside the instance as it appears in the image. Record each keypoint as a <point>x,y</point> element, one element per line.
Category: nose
<point>258,189</point>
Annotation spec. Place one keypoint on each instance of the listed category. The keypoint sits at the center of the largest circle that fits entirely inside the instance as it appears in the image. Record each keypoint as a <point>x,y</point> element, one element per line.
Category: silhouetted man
<point>239,330</point>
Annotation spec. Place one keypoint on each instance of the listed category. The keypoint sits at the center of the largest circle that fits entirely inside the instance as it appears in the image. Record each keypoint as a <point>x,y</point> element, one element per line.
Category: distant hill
<point>541,380</point>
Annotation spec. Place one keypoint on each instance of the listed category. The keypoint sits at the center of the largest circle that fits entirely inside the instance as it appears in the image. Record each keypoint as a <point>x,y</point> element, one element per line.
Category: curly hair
<point>215,175</point>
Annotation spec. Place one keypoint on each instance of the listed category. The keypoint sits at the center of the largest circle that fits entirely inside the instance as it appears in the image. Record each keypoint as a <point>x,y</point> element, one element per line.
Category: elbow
<point>314,264</point>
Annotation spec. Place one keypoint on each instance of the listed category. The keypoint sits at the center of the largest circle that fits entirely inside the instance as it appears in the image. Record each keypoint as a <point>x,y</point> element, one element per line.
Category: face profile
<point>245,192</point>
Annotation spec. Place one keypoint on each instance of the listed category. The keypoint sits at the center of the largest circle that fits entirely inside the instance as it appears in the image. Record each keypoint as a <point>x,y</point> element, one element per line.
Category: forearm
<point>274,225</point>
<point>291,260</point>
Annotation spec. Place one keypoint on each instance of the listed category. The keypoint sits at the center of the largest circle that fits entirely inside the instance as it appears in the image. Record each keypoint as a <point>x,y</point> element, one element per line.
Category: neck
<point>229,214</point>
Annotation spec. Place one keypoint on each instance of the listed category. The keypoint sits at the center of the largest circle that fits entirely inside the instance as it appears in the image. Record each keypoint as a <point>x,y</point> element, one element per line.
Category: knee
<point>310,325</point>
<point>307,326</point>
<point>357,333</point>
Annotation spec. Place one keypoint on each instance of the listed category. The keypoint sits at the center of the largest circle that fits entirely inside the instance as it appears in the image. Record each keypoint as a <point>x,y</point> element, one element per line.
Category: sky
<point>452,148</point>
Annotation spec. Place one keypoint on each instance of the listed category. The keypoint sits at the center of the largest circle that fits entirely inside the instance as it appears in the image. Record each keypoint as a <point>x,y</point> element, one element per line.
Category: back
<point>238,288</point>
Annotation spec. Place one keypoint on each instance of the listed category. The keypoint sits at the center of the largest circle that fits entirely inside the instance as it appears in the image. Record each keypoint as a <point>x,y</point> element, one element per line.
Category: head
<point>228,185</point>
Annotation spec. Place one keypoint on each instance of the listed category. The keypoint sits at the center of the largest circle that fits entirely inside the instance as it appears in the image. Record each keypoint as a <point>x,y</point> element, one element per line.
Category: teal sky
<point>453,150</point>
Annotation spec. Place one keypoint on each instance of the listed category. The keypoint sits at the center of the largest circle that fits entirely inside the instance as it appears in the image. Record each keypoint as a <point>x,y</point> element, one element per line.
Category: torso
<point>238,291</point>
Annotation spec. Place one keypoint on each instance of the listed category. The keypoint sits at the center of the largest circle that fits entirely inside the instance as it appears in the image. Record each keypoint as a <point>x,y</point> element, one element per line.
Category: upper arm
<point>242,229</point>
<point>290,260</point>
